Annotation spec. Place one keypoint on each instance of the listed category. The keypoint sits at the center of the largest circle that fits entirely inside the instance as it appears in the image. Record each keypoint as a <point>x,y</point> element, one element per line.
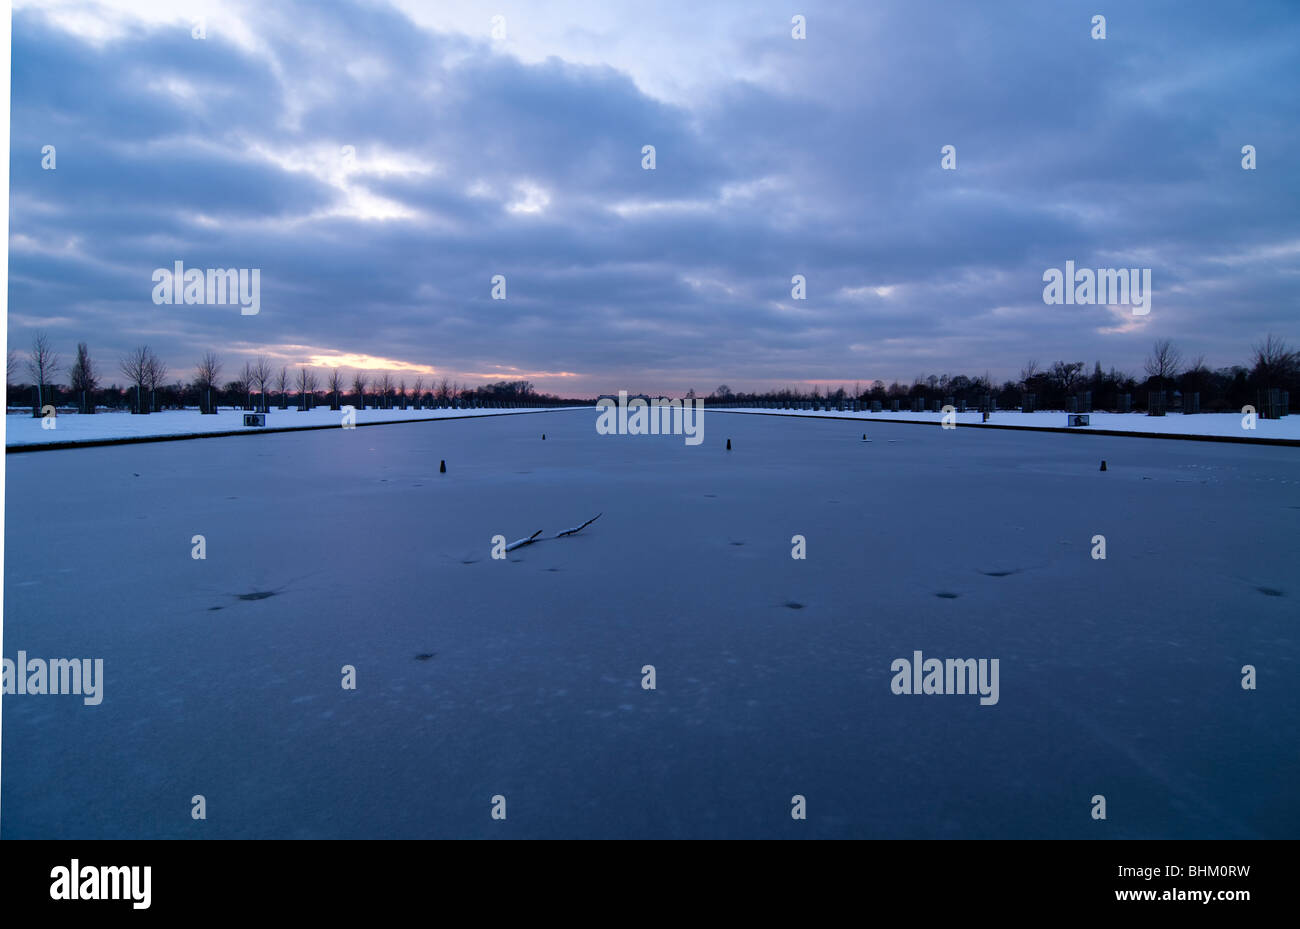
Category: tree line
<point>1272,365</point>
<point>256,386</point>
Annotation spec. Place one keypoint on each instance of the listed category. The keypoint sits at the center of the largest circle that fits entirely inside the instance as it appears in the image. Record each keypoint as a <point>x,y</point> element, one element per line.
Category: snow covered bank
<point>1201,425</point>
<point>24,431</point>
<point>105,428</point>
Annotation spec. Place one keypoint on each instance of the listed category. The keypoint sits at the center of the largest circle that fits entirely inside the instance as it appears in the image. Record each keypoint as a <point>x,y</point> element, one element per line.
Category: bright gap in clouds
<point>367,363</point>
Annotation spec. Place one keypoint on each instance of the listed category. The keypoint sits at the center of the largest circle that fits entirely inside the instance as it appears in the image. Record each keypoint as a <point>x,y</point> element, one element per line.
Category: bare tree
<point>334,384</point>
<point>135,367</point>
<point>155,375</point>
<point>12,362</point>
<point>306,387</point>
<point>1066,374</point>
<point>359,385</point>
<point>248,378</point>
<point>262,374</point>
<point>205,379</point>
<point>82,379</point>
<point>444,392</point>
<point>1273,363</point>
<point>238,385</point>
<point>385,387</point>
<point>1163,362</point>
<point>417,390</point>
<point>282,387</point>
<point>41,364</point>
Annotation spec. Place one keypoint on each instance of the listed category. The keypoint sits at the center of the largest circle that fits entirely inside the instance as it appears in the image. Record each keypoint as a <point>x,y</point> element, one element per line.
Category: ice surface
<point>523,677</point>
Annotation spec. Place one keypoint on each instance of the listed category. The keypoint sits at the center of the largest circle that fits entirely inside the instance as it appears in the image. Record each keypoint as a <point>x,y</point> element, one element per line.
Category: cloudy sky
<point>473,155</point>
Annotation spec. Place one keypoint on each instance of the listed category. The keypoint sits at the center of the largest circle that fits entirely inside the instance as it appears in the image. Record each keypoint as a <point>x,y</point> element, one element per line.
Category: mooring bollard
<point>442,468</point>
<point>1103,464</point>
<point>728,445</point>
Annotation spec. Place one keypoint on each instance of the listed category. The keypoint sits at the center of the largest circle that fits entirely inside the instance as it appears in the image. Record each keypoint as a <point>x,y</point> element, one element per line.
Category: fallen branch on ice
<point>579,528</point>
<point>519,543</point>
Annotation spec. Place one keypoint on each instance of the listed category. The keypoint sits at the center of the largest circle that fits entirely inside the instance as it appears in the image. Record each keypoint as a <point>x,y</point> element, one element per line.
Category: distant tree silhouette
<point>262,374</point>
<point>306,388</point>
<point>359,386</point>
<point>1163,363</point>
<point>334,384</point>
<point>282,387</point>
<point>135,366</point>
<point>1274,364</point>
<point>82,379</point>
<point>41,364</point>
<point>155,375</point>
<point>206,373</point>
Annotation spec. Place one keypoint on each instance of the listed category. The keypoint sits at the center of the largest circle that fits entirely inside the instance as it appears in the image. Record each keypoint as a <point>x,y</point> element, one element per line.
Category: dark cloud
<point>823,161</point>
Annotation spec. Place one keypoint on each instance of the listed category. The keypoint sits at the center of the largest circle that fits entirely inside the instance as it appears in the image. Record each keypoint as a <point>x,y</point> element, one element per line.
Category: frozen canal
<point>523,678</point>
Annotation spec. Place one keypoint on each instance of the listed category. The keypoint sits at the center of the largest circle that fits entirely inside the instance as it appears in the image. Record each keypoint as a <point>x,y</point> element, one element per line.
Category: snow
<point>24,429</point>
<point>1200,424</point>
<point>522,677</point>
